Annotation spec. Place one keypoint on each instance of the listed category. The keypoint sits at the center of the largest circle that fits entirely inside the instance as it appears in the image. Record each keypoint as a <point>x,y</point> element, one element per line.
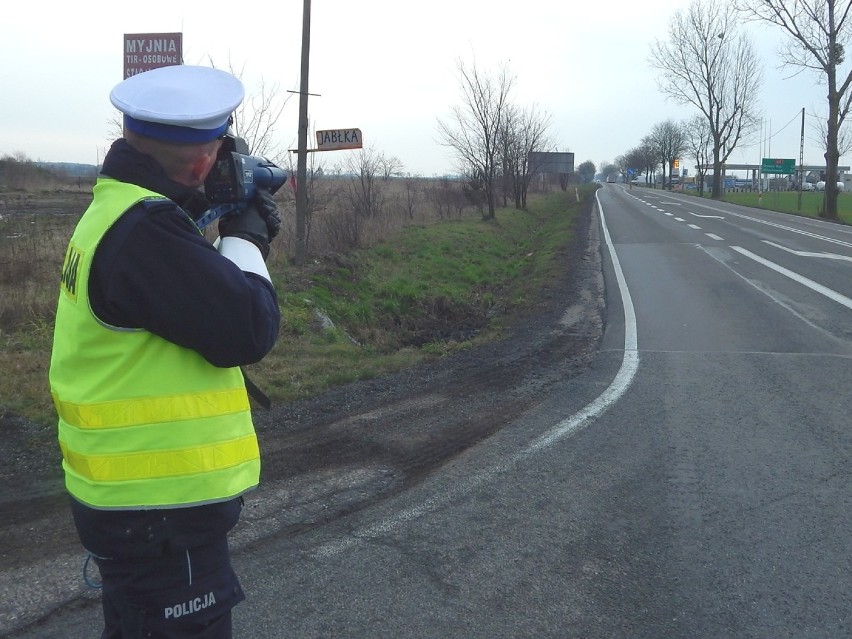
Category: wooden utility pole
<point>302,159</point>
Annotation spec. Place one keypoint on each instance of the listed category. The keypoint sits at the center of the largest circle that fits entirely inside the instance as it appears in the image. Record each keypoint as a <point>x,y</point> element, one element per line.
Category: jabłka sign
<point>337,139</point>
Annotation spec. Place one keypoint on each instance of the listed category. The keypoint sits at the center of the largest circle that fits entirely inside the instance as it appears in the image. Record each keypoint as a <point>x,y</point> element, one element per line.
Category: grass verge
<point>812,202</point>
<point>433,290</point>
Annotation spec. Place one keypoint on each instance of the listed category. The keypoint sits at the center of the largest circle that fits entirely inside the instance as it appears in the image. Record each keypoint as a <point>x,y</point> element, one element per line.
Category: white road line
<point>562,430</point>
<point>679,219</point>
<point>804,281</point>
<point>823,255</point>
<point>629,363</point>
<point>694,226</point>
<point>713,236</point>
<point>708,217</point>
<point>774,224</point>
<point>793,230</point>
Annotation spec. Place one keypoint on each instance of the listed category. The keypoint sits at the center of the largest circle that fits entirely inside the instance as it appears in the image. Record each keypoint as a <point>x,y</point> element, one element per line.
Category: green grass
<point>456,271</point>
<point>433,290</point>
<point>812,202</point>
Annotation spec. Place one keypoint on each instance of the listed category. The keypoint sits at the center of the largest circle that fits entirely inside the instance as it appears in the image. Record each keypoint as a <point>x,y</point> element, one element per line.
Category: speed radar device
<point>235,178</point>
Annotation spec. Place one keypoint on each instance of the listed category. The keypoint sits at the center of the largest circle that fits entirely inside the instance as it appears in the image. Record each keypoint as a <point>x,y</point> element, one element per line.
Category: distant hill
<point>69,169</point>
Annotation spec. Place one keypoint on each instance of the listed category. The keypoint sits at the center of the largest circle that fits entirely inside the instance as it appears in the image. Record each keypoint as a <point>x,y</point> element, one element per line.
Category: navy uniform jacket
<point>154,271</point>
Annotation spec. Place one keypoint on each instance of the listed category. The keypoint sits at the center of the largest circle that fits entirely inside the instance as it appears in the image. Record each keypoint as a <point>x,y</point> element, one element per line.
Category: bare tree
<point>525,132</point>
<point>709,63</point>
<point>844,135</point>
<point>649,159</point>
<point>411,194</point>
<point>473,131</point>
<point>390,166</point>
<point>508,136</point>
<point>366,194</point>
<point>669,143</point>
<point>818,33</point>
<point>699,143</point>
<point>474,190</point>
<point>256,119</point>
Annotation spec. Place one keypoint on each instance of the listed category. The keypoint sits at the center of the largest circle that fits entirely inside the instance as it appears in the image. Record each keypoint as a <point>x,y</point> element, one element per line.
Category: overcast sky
<point>388,67</point>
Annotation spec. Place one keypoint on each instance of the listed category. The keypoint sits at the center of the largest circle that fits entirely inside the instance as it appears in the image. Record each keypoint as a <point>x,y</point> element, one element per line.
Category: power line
<point>793,119</point>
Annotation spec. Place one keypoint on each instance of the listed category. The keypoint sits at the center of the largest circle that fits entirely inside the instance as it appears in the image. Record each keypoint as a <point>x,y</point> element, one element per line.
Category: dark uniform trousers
<point>164,586</point>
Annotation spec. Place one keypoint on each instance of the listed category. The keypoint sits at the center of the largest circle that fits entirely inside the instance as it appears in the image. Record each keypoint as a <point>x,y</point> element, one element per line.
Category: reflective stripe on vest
<point>152,409</point>
<point>143,423</point>
<point>172,463</point>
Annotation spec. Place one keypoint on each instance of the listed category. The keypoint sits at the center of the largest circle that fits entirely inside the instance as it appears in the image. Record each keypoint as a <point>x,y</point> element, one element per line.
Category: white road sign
<point>336,139</point>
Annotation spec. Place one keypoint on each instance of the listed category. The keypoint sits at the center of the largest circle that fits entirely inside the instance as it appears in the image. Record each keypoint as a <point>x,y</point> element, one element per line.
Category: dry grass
<point>31,250</point>
<point>335,226</point>
<point>35,227</point>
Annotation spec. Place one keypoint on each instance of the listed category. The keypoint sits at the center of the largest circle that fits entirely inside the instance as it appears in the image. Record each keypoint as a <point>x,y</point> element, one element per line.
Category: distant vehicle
<point>807,186</point>
<point>820,186</point>
<point>611,180</point>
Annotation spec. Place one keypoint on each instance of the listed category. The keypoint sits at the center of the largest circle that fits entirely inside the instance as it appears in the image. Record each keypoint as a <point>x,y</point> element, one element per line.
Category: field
<point>421,276</point>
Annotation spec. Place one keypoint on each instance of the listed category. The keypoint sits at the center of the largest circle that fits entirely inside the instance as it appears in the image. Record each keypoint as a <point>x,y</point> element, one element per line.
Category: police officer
<point>152,325</point>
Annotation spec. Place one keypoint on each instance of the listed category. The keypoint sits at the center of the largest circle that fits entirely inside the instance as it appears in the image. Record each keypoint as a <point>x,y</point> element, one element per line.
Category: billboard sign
<point>146,51</point>
<point>550,162</point>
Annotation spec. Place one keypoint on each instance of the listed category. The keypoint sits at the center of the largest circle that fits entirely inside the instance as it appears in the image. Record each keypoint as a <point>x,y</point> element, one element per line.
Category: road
<point>692,479</point>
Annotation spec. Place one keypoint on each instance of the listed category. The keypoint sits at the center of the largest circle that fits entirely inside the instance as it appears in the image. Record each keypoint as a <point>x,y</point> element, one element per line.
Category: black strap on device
<point>255,393</point>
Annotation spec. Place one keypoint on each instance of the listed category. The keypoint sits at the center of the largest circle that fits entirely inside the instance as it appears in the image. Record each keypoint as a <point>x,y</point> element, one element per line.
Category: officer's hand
<point>267,208</point>
<point>258,224</point>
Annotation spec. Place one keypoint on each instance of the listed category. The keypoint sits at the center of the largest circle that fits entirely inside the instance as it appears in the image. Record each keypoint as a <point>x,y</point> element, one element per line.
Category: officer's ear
<point>201,165</point>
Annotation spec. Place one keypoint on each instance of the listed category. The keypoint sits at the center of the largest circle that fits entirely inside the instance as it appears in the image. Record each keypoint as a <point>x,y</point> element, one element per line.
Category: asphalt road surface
<point>673,462</point>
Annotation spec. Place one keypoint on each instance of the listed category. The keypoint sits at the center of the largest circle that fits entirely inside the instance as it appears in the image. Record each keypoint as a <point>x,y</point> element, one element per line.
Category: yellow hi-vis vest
<point>143,423</point>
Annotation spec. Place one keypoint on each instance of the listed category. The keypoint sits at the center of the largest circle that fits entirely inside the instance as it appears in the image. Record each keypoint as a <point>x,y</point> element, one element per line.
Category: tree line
<point>709,62</point>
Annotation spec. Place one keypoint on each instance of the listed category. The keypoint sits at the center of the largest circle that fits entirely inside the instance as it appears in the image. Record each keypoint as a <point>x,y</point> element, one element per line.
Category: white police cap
<point>182,103</point>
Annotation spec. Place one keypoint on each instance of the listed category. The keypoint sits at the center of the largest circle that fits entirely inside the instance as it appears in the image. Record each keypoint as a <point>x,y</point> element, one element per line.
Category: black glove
<point>269,211</point>
<point>259,223</point>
